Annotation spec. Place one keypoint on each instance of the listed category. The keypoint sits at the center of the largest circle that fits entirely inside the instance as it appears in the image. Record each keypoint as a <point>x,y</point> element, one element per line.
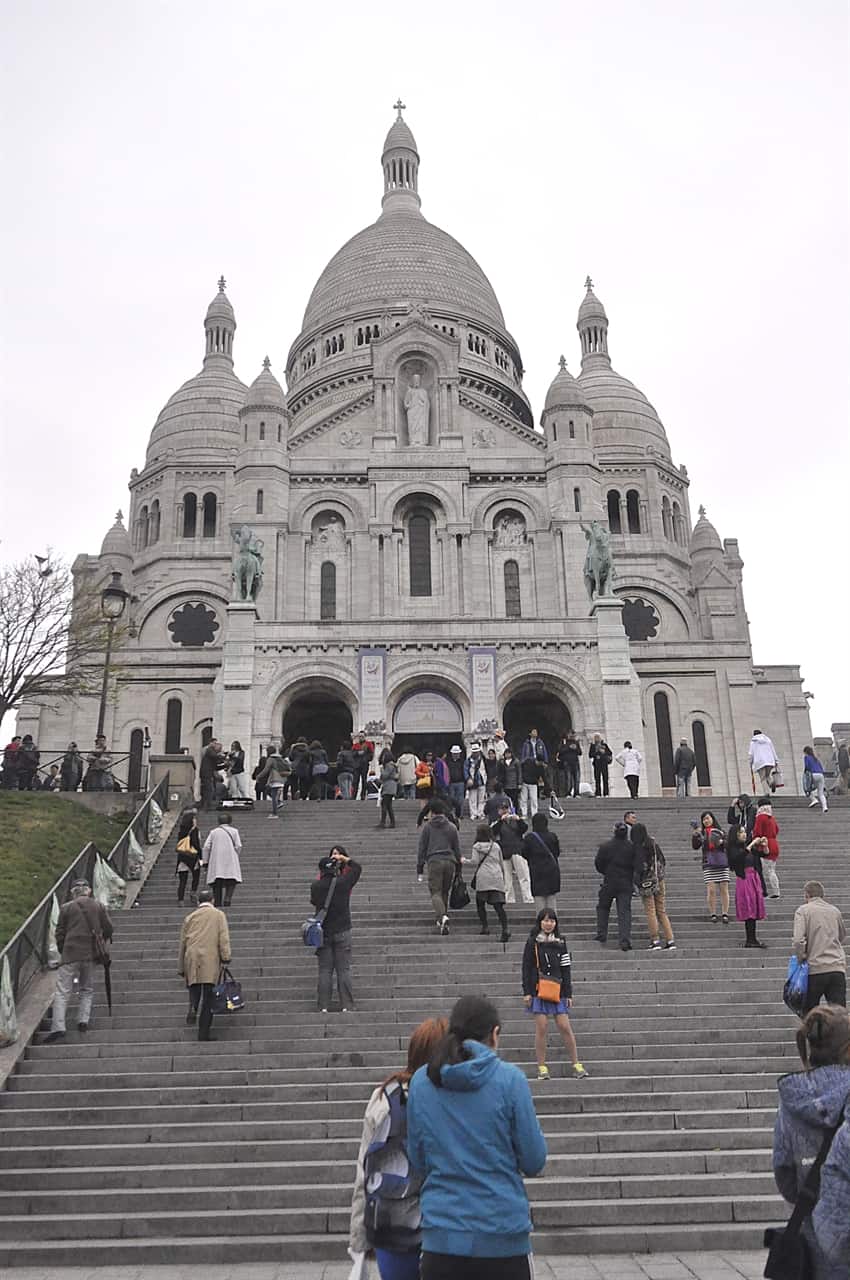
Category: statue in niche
<point>510,531</point>
<point>331,536</point>
<point>484,438</point>
<point>247,564</point>
<point>418,406</point>
<point>598,564</point>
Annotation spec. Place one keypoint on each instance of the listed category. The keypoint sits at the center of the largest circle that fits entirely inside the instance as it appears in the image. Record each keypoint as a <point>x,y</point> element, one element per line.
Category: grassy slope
<point>39,837</point>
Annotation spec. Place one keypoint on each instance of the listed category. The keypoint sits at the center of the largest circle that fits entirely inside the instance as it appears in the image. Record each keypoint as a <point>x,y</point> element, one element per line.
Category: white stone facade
<point>422,536</point>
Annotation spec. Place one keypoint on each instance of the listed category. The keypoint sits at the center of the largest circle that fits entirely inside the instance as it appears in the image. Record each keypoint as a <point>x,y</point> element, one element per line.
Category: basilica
<point>418,537</point>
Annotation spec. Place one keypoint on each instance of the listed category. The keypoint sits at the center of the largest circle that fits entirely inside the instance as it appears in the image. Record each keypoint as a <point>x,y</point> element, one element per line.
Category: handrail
<point>27,949</point>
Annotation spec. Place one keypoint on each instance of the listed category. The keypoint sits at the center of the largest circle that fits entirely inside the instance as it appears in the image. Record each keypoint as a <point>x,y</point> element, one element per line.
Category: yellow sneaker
<point>543,1072</point>
<point>579,1072</point>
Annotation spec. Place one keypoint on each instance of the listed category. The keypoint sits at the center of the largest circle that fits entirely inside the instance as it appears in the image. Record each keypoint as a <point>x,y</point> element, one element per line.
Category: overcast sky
<point>692,156</point>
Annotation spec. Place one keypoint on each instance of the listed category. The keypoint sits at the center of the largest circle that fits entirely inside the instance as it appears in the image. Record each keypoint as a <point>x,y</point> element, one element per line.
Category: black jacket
<point>532,771</point>
<point>620,862</point>
<point>737,817</point>
<point>510,774</point>
<point>739,854</point>
<point>509,833</point>
<point>568,754</point>
<point>553,958</point>
<point>541,851</point>
<point>338,919</point>
<point>600,753</point>
<point>455,764</point>
<point>684,761</point>
<point>345,762</point>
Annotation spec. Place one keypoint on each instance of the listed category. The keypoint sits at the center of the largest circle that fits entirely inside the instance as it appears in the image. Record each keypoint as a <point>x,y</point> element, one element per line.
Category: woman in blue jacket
<point>472,1133</point>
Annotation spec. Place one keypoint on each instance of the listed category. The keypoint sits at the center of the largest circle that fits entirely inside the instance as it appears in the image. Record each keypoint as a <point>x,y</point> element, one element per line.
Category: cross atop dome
<point>702,510</point>
<point>588,284</point>
<point>562,364</point>
<point>222,284</point>
<point>399,107</point>
<point>267,364</point>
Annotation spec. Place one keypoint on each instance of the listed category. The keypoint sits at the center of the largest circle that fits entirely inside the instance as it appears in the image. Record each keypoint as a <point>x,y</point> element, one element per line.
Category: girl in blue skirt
<point>547,989</point>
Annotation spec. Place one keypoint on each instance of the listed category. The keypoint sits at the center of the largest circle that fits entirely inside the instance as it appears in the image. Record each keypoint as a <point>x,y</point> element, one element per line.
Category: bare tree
<point>52,639</point>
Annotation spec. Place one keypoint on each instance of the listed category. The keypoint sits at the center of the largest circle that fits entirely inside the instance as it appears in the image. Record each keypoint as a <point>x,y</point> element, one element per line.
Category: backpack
<point>392,1215</point>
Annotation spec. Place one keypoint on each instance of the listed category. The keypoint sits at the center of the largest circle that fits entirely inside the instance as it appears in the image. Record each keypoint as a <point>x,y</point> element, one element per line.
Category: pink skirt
<point>749,896</point>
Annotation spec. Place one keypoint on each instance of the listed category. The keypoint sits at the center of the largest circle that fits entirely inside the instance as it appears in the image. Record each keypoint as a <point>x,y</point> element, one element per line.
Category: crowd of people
<point>23,771</point>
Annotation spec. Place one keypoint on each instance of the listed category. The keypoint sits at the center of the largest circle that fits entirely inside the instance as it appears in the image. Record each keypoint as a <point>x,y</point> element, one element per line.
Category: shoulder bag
<point>789,1256</point>
<point>459,894</point>
<point>312,933</point>
<point>548,989</point>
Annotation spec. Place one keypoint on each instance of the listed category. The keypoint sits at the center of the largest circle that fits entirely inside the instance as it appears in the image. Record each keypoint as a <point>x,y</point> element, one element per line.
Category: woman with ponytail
<point>812,1103</point>
<point>472,1133</point>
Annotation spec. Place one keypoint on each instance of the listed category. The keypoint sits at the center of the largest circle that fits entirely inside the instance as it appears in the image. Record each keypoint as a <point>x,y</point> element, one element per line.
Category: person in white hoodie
<point>763,759</point>
<point>631,761</point>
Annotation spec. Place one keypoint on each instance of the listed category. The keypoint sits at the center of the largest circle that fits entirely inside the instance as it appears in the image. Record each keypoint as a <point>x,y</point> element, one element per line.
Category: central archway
<point>426,720</point>
<point>324,717</point>
<point>536,706</point>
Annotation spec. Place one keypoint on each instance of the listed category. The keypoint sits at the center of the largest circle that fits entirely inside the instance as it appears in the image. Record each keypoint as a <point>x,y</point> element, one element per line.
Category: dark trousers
<point>457,790</point>
<point>304,787</point>
<point>632,782</point>
<point>600,777</point>
<point>360,784</point>
<point>573,772</point>
<point>183,876</point>
<point>223,888</point>
<point>334,956</point>
<point>609,894</point>
<point>498,907</point>
<point>451,1266</point>
<point>513,796</point>
<point>387,815</point>
<point>832,986</point>
<point>200,1002</point>
<point>207,793</point>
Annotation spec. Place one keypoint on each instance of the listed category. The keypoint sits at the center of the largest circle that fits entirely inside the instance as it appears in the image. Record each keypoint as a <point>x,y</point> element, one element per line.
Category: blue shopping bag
<point>796,985</point>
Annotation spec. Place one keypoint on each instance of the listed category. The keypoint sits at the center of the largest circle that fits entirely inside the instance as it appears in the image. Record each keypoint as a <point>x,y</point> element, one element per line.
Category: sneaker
<point>82,1026</point>
<point>543,1073</point>
<point>323,1011</point>
<point>813,803</point>
<point>444,925</point>
<point>655,945</point>
<point>725,918</point>
<point>579,1072</point>
<point>272,817</point>
<point>670,946</point>
<point>713,919</point>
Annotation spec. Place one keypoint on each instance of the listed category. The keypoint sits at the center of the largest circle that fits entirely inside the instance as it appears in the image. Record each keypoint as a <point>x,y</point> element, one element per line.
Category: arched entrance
<point>536,707</point>
<point>317,715</point>
<point>426,720</point>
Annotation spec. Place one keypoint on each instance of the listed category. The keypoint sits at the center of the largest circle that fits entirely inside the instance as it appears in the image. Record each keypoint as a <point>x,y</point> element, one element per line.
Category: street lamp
<point>113,602</point>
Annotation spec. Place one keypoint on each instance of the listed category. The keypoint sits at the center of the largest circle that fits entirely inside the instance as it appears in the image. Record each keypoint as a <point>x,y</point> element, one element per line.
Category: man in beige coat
<point>204,948</point>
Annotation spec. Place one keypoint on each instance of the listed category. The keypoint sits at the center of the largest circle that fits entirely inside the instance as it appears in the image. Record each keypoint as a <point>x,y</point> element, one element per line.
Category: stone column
<point>620,687</point>
<point>237,674</point>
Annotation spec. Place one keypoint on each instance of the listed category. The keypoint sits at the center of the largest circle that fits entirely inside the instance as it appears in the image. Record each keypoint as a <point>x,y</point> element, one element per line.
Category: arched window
<point>701,753</point>
<point>572,430</point>
<point>134,764</point>
<point>190,514</point>
<point>513,600</point>
<point>665,739</point>
<point>577,499</point>
<point>144,527</point>
<point>209,515</point>
<point>262,431</point>
<point>206,736</point>
<point>666,518</point>
<point>153,528</point>
<point>327,602</point>
<point>260,500</point>
<point>614,522</point>
<point>633,510</point>
<point>419,543</point>
<point>173,725</point>
<point>279,431</point>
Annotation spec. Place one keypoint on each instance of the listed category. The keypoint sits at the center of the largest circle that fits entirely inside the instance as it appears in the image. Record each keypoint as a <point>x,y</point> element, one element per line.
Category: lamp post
<point>113,602</point>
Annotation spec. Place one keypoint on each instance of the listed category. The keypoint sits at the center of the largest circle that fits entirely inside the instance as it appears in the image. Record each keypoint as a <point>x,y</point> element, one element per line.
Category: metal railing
<point>28,949</point>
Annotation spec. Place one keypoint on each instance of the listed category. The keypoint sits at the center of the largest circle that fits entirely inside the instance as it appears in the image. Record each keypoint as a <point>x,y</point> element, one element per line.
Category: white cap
<point>455,750</point>
<point>475,746</point>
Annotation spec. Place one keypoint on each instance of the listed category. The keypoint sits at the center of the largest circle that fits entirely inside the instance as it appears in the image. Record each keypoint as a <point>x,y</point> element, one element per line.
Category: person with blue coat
<point>472,1133</point>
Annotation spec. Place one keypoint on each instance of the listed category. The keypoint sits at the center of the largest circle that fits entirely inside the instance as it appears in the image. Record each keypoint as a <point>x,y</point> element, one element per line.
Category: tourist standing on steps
<point>819,935</point>
<point>569,754</point>
<point>475,781</point>
<point>814,768</point>
<point>220,856</point>
<point>455,764</point>
<point>766,829</point>
<point>600,756</point>
<point>345,766</point>
<point>684,763</point>
<point>509,830</point>
<point>204,948</point>
<point>334,955</point>
<point>274,778</point>
<point>763,759</point>
<point>541,850</point>
<point>363,752</point>
<point>259,787</point>
<point>491,768</point>
<point>407,763</point>
<point>318,770</point>
<point>389,790</point>
<point>745,860</point>
<point>439,851</point>
<point>71,769</point>
<point>299,756</point>
<point>617,861</point>
<point>391,1224</point>
<point>79,921</point>
<point>495,803</point>
<point>98,775</point>
<point>488,879</point>
<point>511,777</point>
<point>188,855</point>
<point>842,761</point>
<point>211,761</point>
<point>237,778</point>
<point>29,758</point>
<point>533,758</point>
<point>651,868</point>
<point>475,1216</point>
<point>631,760</point>
<point>811,1104</point>
<point>710,840</point>
<point>547,989</point>
<point>742,814</point>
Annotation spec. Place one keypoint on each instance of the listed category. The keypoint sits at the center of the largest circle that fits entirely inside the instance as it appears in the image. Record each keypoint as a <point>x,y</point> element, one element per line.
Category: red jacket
<point>766,825</point>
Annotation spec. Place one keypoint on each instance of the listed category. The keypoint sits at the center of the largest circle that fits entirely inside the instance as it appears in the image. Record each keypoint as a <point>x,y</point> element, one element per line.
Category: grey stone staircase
<point>137,1144</point>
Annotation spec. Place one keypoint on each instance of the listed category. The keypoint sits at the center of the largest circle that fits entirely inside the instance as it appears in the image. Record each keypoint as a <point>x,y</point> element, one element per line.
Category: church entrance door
<point>426,720</point>
<point>318,716</point>
<point>536,708</point>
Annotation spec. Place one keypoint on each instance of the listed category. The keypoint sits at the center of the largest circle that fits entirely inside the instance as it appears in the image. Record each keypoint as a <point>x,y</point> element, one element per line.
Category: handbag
<point>185,845</point>
<point>548,989</point>
<point>474,879</point>
<point>319,769</point>
<point>227,993</point>
<point>312,933</point>
<point>789,1256</point>
<point>459,894</point>
<point>796,985</point>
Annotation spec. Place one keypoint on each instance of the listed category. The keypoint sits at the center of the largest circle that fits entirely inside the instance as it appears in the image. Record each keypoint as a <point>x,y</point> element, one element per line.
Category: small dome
<point>265,391</point>
<point>220,308</point>
<point>400,137</point>
<point>705,537</point>
<point>565,391</point>
<point>202,414</point>
<point>117,541</point>
<point>591,308</point>
<point>622,413</point>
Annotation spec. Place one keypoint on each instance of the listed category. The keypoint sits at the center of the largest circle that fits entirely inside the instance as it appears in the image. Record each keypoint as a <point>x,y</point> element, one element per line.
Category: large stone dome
<point>402,258</point>
<point>202,414</point>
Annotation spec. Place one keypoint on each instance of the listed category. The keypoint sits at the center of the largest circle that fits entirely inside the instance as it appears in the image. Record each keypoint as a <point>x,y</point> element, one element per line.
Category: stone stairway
<point>137,1144</point>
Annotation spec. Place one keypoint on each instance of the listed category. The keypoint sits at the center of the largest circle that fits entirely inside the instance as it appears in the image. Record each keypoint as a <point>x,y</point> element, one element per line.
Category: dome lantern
<point>220,326</point>
<point>593,328</point>
<point>400,162</point>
